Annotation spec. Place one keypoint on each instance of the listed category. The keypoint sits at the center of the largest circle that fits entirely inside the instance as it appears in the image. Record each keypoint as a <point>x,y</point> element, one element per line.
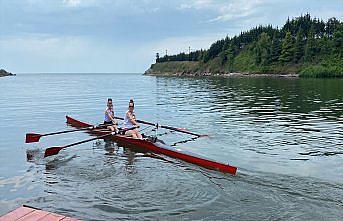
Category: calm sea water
<point>284,135</point>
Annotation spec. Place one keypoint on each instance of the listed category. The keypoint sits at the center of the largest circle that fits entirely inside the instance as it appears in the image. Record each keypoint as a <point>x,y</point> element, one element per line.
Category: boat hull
<point>160,148</point>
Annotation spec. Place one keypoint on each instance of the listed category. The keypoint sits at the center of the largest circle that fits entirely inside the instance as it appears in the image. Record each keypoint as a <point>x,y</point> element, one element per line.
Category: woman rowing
<point>109,120</point>
<point>130,122</point>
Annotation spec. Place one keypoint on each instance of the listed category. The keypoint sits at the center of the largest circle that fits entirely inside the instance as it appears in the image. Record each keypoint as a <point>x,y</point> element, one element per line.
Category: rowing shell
<point>160,148</point>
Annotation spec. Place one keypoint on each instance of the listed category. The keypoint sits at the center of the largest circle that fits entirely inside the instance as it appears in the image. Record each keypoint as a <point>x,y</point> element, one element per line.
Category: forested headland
<point>304,45</point>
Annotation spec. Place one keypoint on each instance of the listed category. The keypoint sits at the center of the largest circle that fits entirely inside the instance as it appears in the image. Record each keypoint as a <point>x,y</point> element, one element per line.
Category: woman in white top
<point>130,121</point>
<point>109,116</point>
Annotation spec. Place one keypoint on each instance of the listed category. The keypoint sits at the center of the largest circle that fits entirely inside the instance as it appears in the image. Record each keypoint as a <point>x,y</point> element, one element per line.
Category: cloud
<point>40,53</point>
<point>224,10</point>
<point>237,9</point>
<point>72,3</point>
<point>181,44</point>
<point>197,4</point>
<point>35,52</point>
<point>124,35</point>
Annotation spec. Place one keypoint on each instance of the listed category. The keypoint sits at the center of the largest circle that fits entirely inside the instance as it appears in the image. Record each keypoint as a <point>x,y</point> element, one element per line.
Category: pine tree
<point>276,48</point>
<point>157,57</point>
<point>310,48</point>
<point>338,43</point>
<point>222,57</point>
<point>206,56</point>
<point>226,43</point>
<point>230,54</point>
<point>299,46</point>
<point>331,26</point>
<point>287,49</point>
<point>263,44</point>
<point>257,53</point>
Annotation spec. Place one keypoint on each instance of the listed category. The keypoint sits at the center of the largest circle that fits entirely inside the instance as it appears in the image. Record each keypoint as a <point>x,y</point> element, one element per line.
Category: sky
<point>123,36</point>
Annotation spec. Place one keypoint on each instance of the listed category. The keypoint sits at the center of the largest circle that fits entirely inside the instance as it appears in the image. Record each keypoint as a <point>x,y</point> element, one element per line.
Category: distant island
<point>304,46</point>
<point>4,73</point>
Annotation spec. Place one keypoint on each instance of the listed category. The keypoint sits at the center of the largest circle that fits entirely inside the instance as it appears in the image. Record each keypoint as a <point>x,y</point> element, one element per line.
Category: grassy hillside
<point>244,63</point>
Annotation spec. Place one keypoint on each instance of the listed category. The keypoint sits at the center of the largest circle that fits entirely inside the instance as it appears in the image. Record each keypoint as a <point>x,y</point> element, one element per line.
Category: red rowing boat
<point>159,148</point>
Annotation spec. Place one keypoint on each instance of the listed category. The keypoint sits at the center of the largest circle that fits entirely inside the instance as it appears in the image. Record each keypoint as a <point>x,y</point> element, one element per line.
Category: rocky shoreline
<point>4,73</point>
<point>199,69</point>
<point>209,74</point>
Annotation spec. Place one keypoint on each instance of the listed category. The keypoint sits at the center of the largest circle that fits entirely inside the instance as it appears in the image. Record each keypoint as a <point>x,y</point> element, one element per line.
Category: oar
<point>55,150</point>
<point>181,130</point>
<point>33,137</point>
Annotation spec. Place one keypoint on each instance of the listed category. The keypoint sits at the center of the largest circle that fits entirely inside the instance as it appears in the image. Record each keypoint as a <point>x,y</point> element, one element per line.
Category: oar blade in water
<point>52,151</point>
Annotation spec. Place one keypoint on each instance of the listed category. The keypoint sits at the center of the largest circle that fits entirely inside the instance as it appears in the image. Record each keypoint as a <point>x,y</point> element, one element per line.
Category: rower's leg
<point>134,135</point>
<point>115,128</point>
<point>131,133</point>
<point>139,136</point>
<point>110,128</point>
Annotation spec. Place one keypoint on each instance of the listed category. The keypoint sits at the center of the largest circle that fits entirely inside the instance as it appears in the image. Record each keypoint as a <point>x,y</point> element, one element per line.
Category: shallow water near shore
<point>284,135</point>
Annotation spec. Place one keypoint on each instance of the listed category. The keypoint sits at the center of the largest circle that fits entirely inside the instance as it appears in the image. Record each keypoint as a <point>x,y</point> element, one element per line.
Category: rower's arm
<point>111,118</point>
<point>132,119</point>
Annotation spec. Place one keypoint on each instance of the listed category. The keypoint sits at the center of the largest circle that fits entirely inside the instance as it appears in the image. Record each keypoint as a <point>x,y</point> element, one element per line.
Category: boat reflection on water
<point>130,152</point>
<point>110,147</point>
<point>113,149</point>
<point>112,154</point>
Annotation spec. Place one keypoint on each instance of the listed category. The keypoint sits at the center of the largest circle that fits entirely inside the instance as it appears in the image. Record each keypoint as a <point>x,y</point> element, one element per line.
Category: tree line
<point>301,39</point>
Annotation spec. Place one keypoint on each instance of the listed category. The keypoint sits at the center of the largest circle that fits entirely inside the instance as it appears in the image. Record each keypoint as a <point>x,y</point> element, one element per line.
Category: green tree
<point>338,43</point>
<point>299,46</point>
<point>287,49</point>
<point>310,48</point>
<point>222,57</point>
<point>226,43</point>
<point>276,48</point>
<point>157,57</point>
<point>264,48</point>
<point>230,55</point>
<point>331,26</point>
<point>206,56</point>
<point>257,52</point>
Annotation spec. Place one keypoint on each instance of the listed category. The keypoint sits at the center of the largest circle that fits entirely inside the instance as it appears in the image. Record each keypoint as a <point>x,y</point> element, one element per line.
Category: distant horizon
<point>87,36</point>
<point>77,73</point>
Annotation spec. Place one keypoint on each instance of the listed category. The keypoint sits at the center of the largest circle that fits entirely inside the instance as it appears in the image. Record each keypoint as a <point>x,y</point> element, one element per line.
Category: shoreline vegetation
<point>303,47</point>
<point>4,73</point>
